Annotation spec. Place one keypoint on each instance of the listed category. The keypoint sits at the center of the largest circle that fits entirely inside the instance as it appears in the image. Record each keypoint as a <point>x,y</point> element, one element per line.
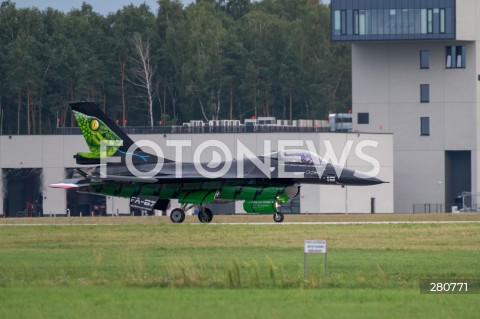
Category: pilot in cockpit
<point>306,158</point>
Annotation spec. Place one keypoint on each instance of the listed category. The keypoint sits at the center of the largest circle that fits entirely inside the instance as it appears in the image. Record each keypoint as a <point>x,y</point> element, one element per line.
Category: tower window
<point>424,59</point>
<point>430,21</point>
<point>425,126</point>
<point>424,93</point>
<point>442,20</point>
<point>363,118</point>
<point>340,22</point>
<point>455,56</point>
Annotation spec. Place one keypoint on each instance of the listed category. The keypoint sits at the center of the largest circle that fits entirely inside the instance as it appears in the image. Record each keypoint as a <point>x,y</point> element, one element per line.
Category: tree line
<point>213,59</point>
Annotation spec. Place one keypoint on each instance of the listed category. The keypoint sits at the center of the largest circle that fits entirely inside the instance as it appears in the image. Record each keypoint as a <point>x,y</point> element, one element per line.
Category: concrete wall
<point>54,202</point>
<point>386,78</point>
<point>327,198</point>
<point>467,24</point>
<point>55,153</point>
<point>475,9</point>
<point>1,193</point>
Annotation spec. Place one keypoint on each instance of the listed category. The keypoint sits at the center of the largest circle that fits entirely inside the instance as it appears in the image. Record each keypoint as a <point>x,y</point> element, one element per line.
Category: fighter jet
<point>264,183</point>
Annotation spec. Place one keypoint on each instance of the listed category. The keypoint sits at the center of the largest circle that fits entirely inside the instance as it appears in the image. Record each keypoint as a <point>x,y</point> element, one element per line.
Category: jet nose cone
<point>373,181</point>
<point>350,177</point>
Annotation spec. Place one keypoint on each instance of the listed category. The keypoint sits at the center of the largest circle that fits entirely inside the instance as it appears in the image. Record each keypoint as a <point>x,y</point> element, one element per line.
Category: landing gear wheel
<point>278,217</point>
<point>177,215</point>
<point>205,216</point>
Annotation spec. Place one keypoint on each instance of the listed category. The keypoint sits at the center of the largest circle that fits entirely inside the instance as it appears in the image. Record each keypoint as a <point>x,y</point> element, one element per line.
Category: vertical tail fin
<point>97,127</point>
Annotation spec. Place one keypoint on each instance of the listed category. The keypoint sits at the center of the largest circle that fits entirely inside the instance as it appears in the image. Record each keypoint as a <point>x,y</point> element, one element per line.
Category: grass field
<point>146,267</point>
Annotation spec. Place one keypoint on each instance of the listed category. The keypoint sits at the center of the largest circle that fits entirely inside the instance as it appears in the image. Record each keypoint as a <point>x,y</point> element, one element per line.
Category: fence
<point>204,129</point>
<point>470,202</point>
<point>428,208</point>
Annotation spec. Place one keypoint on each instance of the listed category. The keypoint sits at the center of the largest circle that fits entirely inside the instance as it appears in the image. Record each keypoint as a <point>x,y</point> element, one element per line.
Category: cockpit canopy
<point>296,156</point>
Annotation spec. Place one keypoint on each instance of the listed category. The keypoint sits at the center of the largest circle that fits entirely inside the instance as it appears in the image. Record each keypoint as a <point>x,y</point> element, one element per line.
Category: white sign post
<point>314,247</point>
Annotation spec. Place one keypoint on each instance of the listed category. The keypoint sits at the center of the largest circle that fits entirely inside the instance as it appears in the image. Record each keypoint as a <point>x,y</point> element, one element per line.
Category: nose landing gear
<point>278,217</point>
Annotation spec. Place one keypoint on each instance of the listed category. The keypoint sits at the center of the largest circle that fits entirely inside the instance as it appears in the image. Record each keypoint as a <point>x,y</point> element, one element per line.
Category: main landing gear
<point>205,215</point>
<point>177,215</point>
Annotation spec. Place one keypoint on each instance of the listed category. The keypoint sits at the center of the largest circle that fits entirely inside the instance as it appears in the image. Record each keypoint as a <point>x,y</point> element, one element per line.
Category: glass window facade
<point>371,20</point>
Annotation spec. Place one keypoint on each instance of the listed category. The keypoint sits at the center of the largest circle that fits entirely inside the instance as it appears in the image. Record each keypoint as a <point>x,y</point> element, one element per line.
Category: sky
<point>101,6</point>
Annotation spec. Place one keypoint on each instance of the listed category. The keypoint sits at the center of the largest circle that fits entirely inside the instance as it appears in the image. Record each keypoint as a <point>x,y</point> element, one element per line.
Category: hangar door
<point>83,204</point>
<point>458,175</point>
<point>22,192</point>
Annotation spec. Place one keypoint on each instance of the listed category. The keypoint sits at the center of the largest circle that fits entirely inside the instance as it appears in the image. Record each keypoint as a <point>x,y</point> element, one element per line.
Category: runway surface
<point>252,219</point>
<point>351,223</point>
<point>258,223</point>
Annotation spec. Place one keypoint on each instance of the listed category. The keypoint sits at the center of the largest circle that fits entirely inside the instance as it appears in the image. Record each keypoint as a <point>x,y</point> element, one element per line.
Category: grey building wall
<point>1,193</point>
<point>466,20</point>
<point>386,78</point>
<point>55,153</point>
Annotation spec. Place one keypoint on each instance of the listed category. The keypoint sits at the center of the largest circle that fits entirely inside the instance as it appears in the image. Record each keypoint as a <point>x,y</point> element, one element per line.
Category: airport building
<point>416,74</point>
<point>31,163</point>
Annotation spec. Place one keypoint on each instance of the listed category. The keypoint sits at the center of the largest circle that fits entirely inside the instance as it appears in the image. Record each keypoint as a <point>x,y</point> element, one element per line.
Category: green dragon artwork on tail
<point>94,131</point>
